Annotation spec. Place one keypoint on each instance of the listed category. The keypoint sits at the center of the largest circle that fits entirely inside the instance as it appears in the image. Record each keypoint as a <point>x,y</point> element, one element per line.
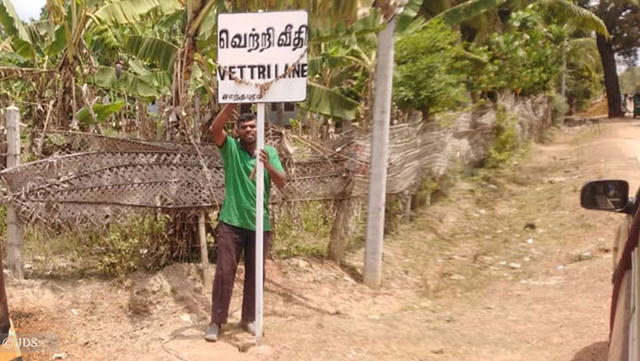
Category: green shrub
<point>429,74</point>
<point>505,143</point>
<point>584,76</point>
<point>427,187</point>
<point>302,229</point>
<point>139,243</point>
<point>393,214</point>
<point>560,109</point>
<point>525,58</point>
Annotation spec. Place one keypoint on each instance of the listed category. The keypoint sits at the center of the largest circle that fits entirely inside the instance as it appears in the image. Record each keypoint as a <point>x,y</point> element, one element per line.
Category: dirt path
<point>506,266</point>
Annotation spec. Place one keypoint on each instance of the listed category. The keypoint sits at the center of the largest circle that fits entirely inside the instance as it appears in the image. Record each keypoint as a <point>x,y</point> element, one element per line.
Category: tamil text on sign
<point>256,49</point>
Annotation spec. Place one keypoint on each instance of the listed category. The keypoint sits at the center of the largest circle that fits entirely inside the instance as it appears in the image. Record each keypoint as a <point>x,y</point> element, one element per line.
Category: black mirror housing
<point>605,195</point>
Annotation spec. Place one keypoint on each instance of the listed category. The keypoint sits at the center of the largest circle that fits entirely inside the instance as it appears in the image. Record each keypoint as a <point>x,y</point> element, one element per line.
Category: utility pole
<point>379,155</point>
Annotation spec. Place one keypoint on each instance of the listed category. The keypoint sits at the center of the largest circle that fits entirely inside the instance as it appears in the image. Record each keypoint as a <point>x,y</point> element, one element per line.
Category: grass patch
<point>505,142</point>
<point>139,243</point>
<point>302,229</point>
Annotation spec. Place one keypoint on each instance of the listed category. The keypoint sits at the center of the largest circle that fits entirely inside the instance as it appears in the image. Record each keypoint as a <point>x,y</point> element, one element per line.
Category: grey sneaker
<point>248,326</point>
<point>212,333</point>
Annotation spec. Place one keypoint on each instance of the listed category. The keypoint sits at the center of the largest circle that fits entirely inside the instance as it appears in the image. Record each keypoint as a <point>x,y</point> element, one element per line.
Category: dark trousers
<point>231,242</point>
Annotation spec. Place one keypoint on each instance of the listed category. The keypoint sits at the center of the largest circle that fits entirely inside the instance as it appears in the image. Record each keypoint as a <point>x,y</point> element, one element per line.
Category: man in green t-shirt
<point>236,228</point>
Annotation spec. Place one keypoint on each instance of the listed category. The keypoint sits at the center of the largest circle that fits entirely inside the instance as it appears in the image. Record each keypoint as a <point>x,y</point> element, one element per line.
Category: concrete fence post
<point>15,244</point>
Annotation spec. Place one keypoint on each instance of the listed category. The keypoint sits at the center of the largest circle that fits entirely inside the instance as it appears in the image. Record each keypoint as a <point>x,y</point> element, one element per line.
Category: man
<point>236,228</point>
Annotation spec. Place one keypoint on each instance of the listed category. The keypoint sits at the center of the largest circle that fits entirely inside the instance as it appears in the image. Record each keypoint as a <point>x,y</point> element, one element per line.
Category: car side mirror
<point>605,195</point>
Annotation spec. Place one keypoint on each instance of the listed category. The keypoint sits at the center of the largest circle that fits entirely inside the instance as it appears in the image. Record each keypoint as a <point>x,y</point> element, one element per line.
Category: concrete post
<point>15,244</point>
<point>379,156</point>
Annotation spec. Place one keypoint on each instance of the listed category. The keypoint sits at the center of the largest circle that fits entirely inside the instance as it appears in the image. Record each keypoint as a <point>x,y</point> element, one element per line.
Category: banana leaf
<point>159,79</point>
<point>409,15</point>
<point>102,112</point>
<point>132,11</point>
<point>14,28</point>
<point>153,50</point>
<point>59,42</point>
<point>127,83</point>
<point>328,102</point>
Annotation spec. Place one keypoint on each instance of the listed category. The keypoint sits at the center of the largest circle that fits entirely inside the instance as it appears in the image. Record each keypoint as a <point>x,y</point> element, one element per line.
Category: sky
<point>28,8</point>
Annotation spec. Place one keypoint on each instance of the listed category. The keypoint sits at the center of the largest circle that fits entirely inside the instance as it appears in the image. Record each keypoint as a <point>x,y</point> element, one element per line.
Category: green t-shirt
<point>239,207</point>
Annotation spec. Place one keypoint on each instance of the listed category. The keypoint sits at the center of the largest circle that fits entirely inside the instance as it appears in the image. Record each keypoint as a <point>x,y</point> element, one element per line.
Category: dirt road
<point>504,266</point>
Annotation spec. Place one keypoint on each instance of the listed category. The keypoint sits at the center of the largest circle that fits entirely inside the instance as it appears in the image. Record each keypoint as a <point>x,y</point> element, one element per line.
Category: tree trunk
<point>178,125</point>
<point>129,124</point>
<point>340,223</point>
<point>147,127</point>
<point>163,117</point>
<point>280,113</point>
<point>196,119</point>
<point>66,99</point>
<point>121,119</point>
<point>611,84</point>
<point>563,85</point>
<point>313,126</point>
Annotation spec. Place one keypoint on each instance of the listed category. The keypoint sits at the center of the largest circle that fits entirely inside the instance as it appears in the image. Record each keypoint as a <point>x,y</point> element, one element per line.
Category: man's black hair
<point>245,117</point>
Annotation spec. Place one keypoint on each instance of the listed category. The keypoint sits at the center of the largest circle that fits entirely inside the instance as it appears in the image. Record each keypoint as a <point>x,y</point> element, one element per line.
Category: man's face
<point>247,131</point>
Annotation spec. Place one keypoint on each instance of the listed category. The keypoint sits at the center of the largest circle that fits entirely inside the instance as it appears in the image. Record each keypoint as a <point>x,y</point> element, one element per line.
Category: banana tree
<point>328,20</point>
<point>75,18</point>
<point>18,39</point>
<point>61,41</point>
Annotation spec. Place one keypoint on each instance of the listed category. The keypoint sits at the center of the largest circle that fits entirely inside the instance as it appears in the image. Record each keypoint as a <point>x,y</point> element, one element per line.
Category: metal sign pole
<point>259,225</point>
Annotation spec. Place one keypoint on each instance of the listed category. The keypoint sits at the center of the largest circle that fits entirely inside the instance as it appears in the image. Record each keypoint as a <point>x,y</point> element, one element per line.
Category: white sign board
<point>258,48</point>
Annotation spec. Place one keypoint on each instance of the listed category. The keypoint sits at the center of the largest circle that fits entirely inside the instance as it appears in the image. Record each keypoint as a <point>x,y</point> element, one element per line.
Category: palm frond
<point>467,10</point>
<point>568,12</point>
<point>582,43</point>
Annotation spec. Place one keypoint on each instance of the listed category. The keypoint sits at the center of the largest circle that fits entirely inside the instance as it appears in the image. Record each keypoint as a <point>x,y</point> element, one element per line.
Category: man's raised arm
<point>217,127</point>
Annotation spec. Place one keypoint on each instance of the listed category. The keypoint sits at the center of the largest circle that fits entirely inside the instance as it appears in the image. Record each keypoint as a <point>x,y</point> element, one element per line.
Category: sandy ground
<point>504,266</point>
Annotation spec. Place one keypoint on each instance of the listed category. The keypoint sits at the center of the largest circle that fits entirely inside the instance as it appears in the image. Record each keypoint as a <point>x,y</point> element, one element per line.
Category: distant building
<point>290,112</point>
